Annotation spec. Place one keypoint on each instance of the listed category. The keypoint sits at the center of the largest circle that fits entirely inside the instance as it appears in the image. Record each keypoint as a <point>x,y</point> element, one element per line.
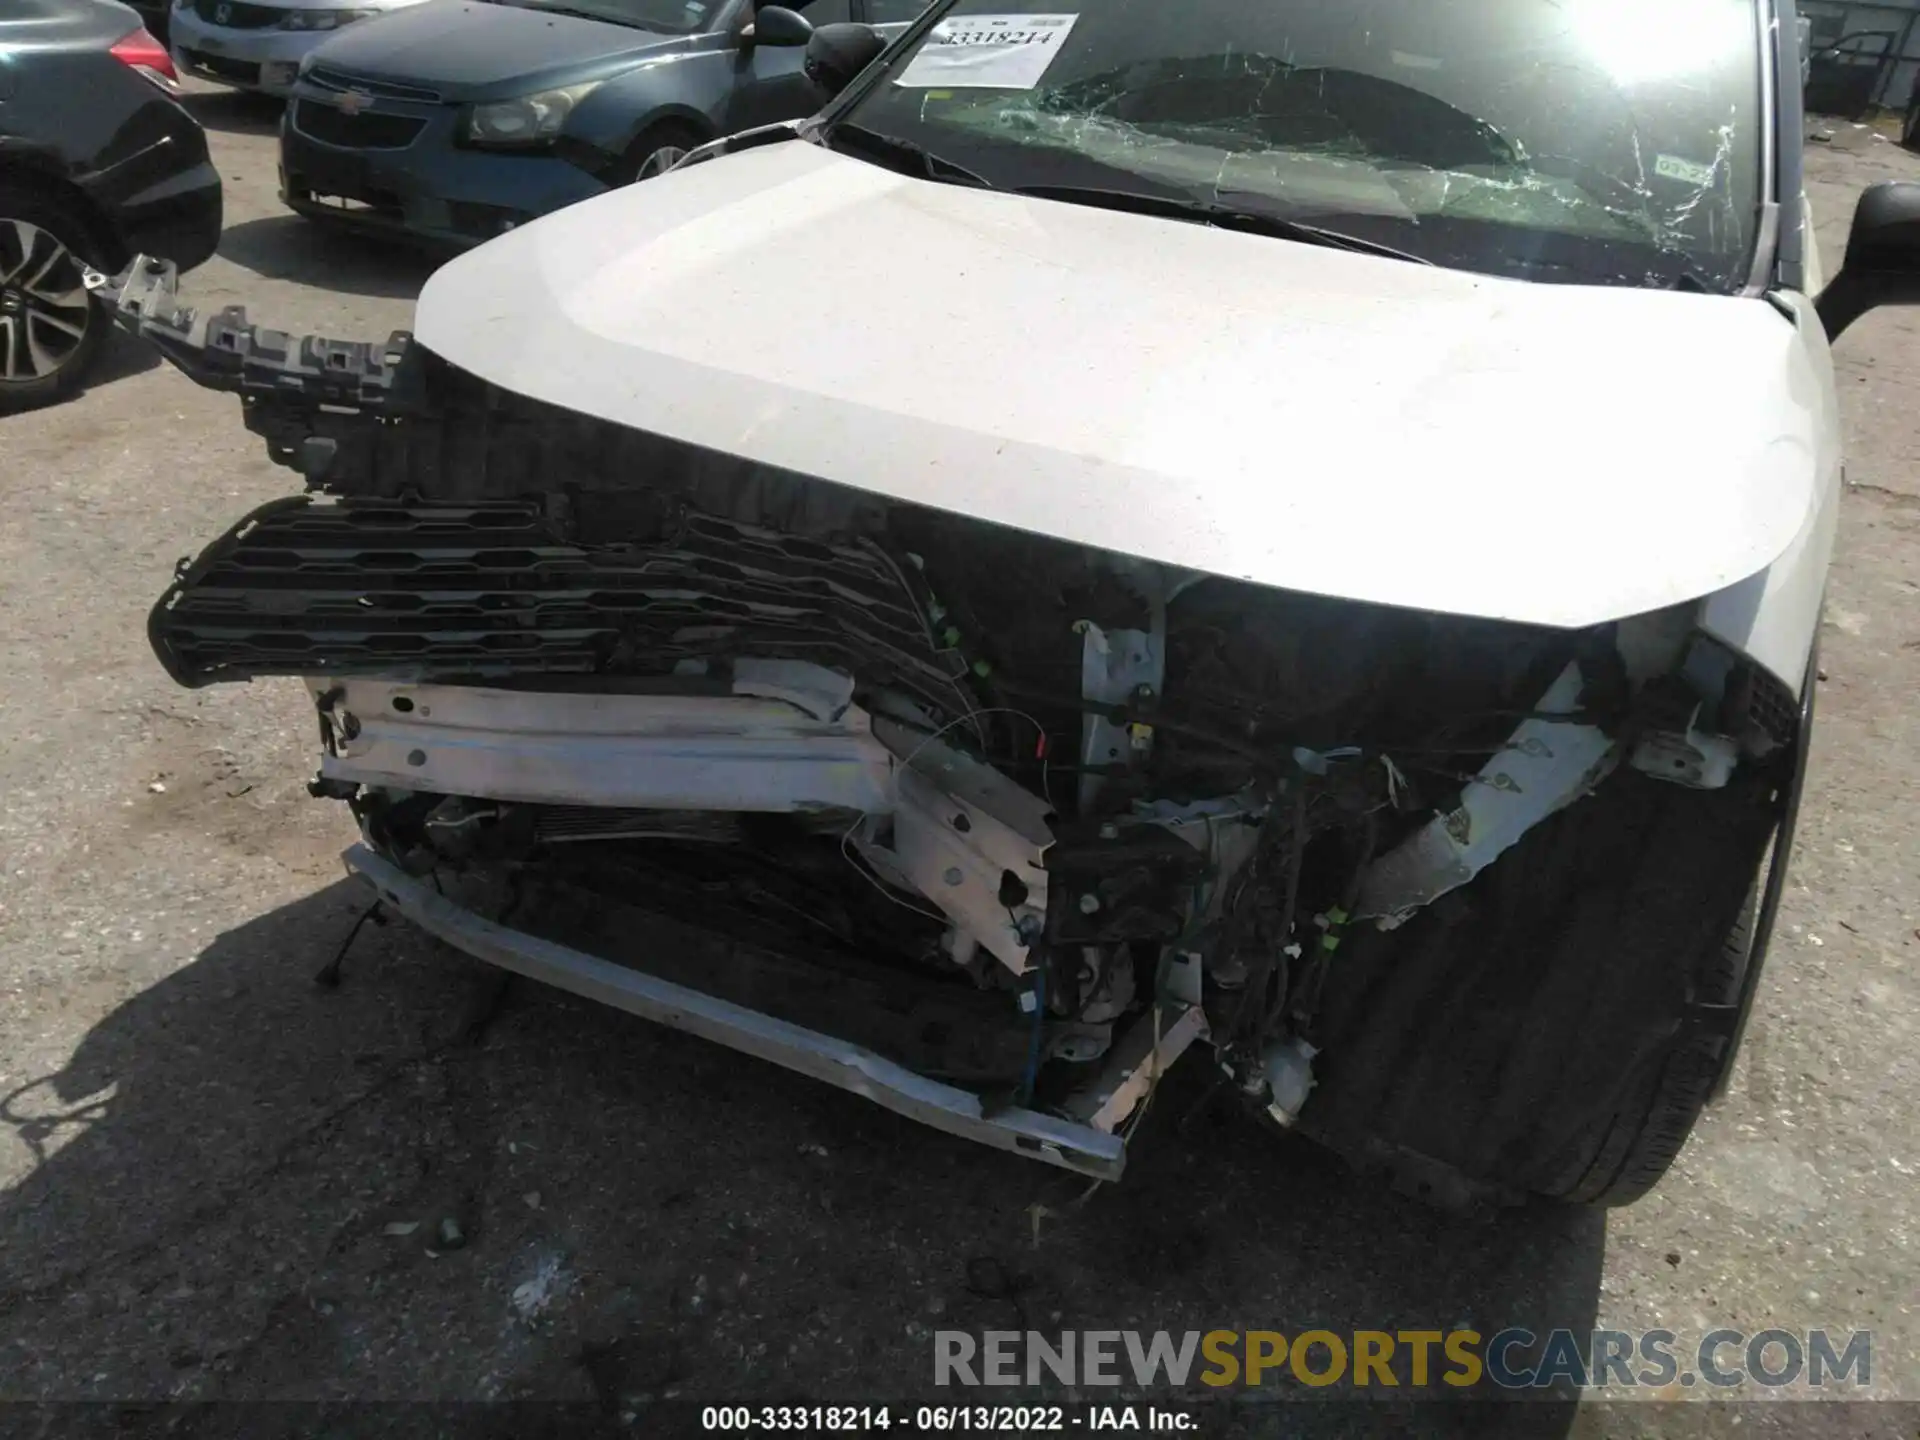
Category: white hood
<point>1297,416</point>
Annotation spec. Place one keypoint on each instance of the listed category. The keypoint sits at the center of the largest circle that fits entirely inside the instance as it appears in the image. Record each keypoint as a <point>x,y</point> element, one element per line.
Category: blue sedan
<point>457,120</point>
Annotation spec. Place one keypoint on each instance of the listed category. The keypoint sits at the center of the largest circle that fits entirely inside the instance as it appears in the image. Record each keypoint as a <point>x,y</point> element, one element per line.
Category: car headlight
<point>323,19</point>
<point>526,119</point>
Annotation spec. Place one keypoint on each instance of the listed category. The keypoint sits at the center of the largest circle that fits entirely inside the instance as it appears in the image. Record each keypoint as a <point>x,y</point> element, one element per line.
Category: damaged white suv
<point>1293,532</point>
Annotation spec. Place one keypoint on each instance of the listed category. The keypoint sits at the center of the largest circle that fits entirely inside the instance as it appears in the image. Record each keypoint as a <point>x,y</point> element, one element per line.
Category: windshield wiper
<point>898,154</point>
<point>1223,213</point>
<point>1678,272</point>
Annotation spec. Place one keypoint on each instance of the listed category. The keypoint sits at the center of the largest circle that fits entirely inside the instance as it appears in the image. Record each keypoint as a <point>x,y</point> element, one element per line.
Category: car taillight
<point>142,52</point>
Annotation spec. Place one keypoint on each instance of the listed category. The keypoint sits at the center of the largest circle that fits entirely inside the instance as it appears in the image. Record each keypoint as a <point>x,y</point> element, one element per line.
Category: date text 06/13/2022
<point>922,1419</point>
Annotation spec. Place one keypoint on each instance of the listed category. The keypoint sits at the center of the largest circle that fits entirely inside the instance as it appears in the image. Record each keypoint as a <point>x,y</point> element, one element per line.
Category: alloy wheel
<point>661,161</point>
<point>44,307</point>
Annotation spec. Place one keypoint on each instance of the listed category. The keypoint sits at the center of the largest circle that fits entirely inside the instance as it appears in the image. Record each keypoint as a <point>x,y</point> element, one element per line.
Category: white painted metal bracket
<point>1117,667</point>
<point>960,828</point>
<point>734,752</point>
<point>1697,760</point>
<point>790,738</point>
<point>1137,1063</point>
<point>1545,766</point>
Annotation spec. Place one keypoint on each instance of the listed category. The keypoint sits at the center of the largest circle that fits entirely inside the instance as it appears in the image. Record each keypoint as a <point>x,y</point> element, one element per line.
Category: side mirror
<point>837,53</point>
<point>1882,264</point>
<point>777,25</point>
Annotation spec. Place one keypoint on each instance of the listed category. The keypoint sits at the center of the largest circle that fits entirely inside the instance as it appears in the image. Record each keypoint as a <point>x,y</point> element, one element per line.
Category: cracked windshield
<point>1588,141</point>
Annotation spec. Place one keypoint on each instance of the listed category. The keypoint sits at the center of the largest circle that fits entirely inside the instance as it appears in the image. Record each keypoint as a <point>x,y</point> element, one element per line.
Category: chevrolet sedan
<point>463,119</point>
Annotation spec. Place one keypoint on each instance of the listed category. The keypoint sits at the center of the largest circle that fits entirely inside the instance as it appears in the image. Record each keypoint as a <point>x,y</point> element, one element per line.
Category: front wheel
<point>1557,1026</point>
<point>50,328</point>
<point>1624,1154</point>
<point>658,151</point>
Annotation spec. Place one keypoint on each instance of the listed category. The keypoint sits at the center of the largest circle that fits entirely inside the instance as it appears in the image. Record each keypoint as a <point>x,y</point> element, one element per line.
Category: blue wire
<point>1033,1043</point>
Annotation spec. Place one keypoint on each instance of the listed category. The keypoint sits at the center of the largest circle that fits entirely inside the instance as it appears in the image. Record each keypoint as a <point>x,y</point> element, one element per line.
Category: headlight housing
<point>323,19</point>
<point>525,120</point>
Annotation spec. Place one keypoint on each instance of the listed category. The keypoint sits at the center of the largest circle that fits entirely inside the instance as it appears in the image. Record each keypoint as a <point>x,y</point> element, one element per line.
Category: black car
<point>456,120</point>
<point>98,162</point>
<point>153,14</point>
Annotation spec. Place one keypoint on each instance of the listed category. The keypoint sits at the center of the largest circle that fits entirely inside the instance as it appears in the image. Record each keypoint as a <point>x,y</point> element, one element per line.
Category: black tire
<point>51,330</point>
<point>1624,1155</point>
<point>1533,1033</point>
<point>657,150</point>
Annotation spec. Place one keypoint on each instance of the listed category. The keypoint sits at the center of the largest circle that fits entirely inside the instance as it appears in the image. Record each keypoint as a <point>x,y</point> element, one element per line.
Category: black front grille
<point>463,592</point>
<point>327,78</point>
<point>365,131</point>
<point>236,15</point>
<point>243,72</point>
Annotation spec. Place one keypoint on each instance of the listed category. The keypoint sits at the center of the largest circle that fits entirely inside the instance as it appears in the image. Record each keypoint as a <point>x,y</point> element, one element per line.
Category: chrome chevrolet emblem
<point>353,102</point>
<point>222,14</point>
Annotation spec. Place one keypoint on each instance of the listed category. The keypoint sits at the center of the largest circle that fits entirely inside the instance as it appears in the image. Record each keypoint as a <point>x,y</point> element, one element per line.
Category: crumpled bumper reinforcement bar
<point>1059,1142</point>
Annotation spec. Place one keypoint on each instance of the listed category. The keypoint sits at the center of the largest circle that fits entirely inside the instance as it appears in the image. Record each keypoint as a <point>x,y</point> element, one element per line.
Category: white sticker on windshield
<point>1675,167</point>
<point>988,52</point>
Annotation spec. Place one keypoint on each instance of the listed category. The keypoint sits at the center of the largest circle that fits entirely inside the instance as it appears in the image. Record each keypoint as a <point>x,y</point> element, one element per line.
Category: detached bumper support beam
<point>224,352</point>
<point>1079,1148</point>
<point>318,403</point>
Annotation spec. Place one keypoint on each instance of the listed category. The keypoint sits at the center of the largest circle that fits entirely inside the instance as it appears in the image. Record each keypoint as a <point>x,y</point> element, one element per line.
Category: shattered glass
<point>1596,141</point>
